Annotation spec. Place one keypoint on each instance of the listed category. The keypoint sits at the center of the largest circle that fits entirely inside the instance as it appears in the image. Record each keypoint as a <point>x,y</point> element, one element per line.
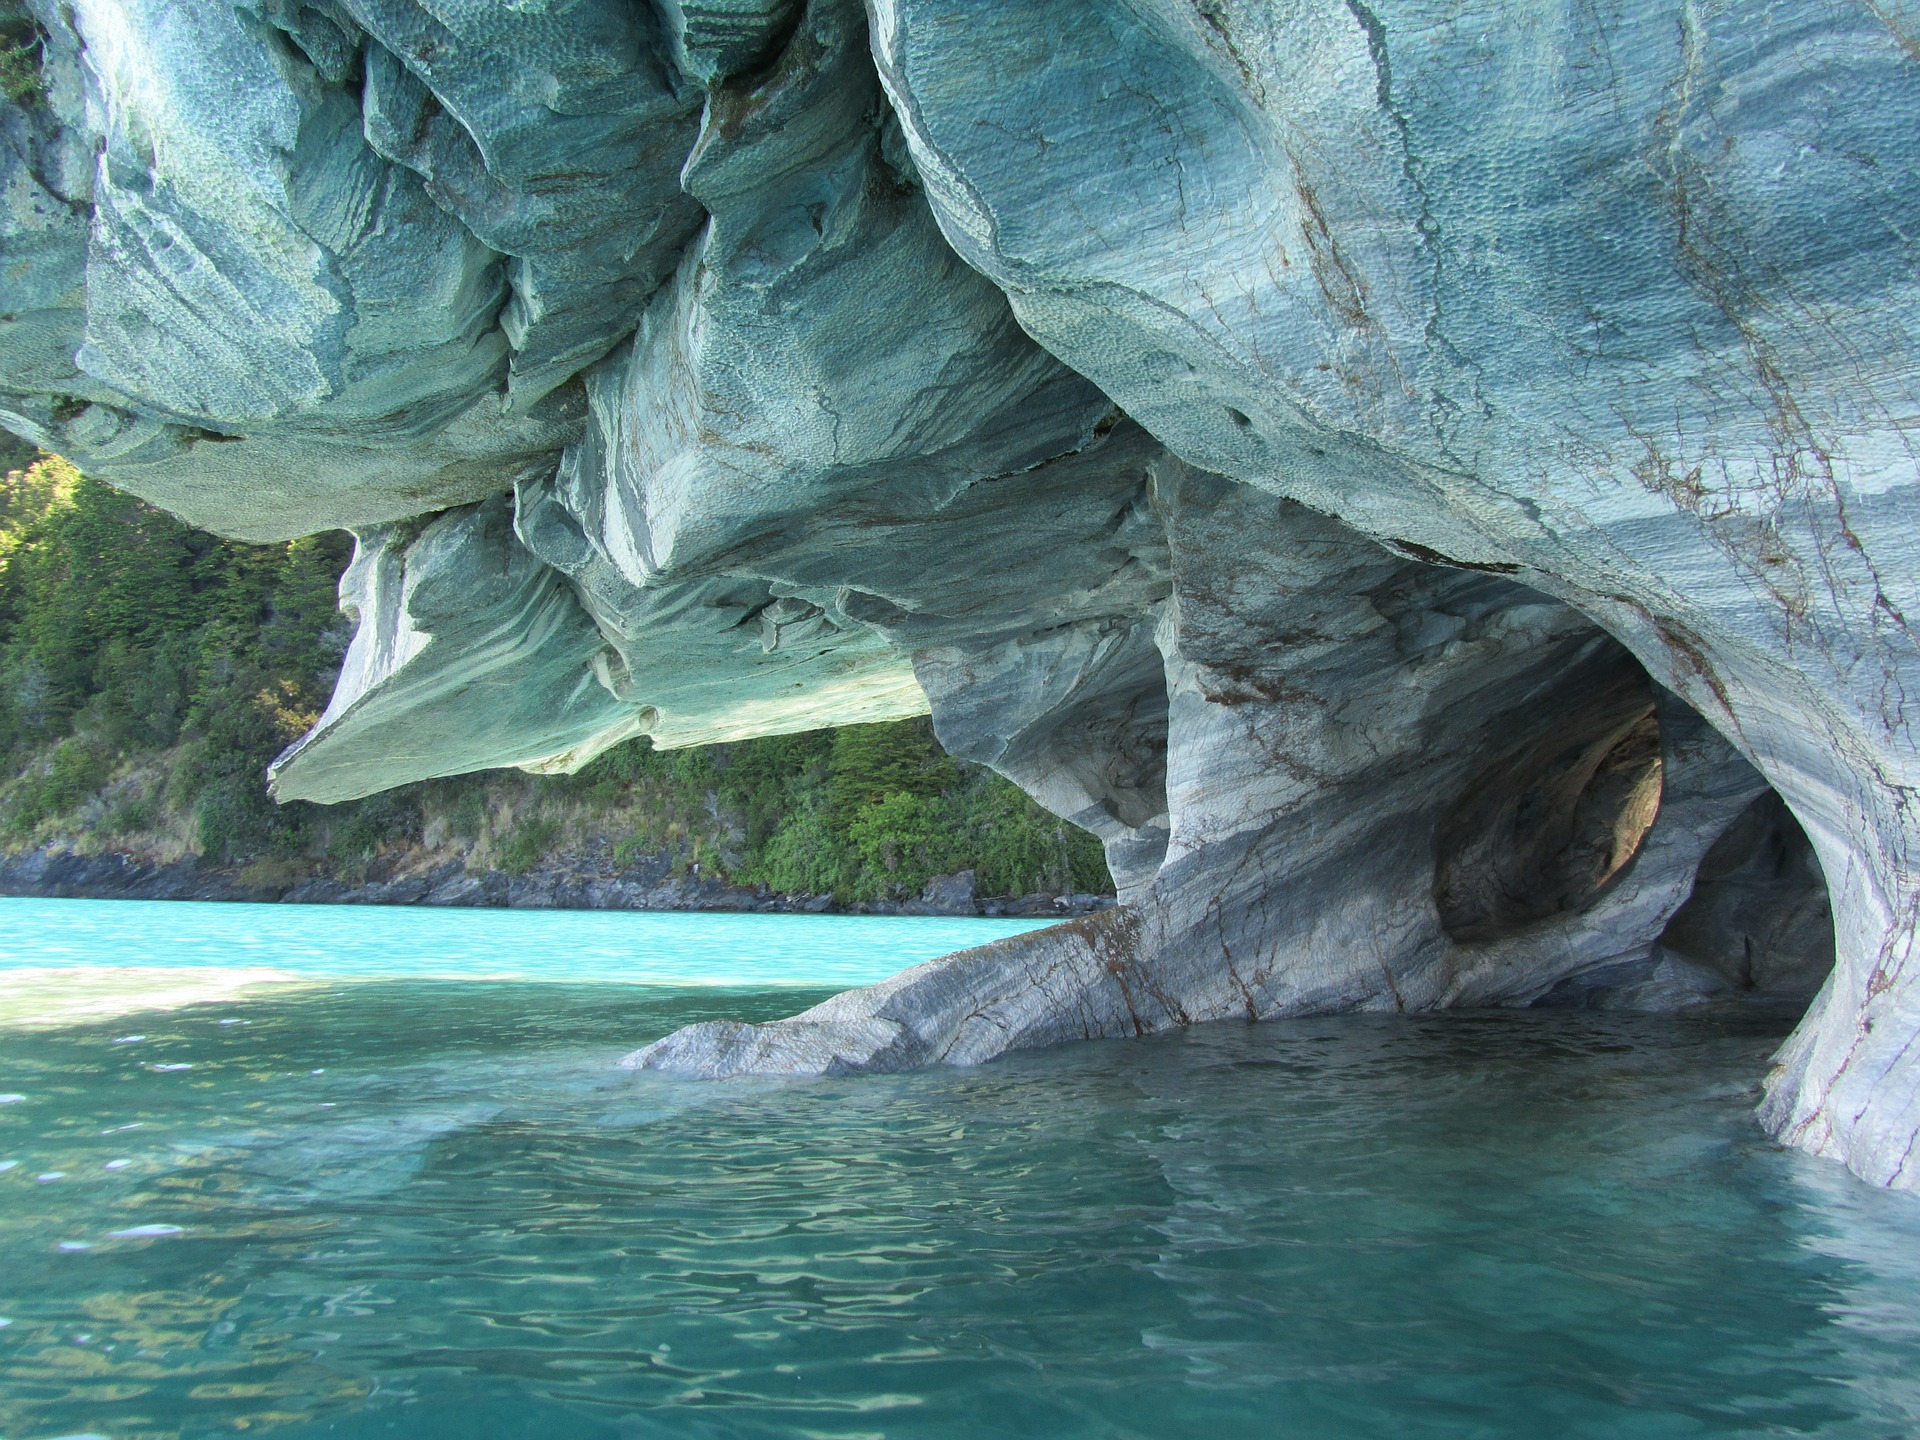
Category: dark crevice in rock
<point>1760,915</point>
<point>1543,829</point>
<point>1414,551</point>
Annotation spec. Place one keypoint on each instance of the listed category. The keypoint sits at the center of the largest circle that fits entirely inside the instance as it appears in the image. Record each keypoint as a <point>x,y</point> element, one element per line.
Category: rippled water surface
<point>432,1207</point>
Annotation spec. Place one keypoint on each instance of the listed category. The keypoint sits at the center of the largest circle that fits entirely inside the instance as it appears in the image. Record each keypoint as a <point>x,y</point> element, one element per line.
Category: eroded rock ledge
<point>1448,790</point>
<point>1441,509</point>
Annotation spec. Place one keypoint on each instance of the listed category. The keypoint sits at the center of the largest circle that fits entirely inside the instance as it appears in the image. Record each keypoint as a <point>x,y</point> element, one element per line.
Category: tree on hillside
<point>870,762</point>
<point>105,571</point>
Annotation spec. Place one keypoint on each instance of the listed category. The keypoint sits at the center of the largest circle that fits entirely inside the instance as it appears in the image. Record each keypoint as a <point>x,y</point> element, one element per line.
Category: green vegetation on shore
<point>149,672</point>
<point>21,44</point>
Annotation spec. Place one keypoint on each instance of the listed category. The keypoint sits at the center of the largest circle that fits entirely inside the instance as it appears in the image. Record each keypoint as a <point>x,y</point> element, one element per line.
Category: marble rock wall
<point>1429,485</point>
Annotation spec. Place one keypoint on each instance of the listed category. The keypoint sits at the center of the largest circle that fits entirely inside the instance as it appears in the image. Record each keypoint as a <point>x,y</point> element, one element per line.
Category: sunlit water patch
<point>433,1208</point>
<point>70,960</point>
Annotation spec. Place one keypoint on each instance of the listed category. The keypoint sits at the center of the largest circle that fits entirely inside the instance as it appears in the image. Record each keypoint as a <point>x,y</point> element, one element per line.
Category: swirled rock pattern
<point>1409,477</point>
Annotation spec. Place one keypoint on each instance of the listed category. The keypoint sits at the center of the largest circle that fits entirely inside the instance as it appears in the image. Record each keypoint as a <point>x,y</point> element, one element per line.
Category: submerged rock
<point>1439,508</point>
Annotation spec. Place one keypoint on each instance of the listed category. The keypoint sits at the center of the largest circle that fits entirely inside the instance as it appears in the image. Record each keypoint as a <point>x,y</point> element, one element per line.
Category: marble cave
<point>1432,488</point>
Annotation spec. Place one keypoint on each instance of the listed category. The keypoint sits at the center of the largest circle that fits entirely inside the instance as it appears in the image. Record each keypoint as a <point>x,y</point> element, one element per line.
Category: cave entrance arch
<point>1556,823</point>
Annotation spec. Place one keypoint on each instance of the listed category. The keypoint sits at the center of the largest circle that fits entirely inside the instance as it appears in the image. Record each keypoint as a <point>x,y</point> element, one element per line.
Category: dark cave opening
<point>1760,915</point>
<point>1556,820</point>
<point>1562,810</point>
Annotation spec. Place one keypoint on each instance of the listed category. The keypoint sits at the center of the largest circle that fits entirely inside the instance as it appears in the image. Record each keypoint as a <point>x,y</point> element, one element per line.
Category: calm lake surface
<point>332,1172</point>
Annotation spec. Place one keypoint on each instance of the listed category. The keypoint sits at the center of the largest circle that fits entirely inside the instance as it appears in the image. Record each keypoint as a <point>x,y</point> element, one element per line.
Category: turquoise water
<point>407,943</point>
<point>431,1208</point>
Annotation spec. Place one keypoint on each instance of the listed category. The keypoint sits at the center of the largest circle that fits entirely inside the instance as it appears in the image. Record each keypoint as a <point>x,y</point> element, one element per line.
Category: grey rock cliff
<point>1411,489</point>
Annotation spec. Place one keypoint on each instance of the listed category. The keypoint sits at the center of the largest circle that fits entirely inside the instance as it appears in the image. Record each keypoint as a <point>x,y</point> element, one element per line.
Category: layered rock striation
<point>1431,488</point>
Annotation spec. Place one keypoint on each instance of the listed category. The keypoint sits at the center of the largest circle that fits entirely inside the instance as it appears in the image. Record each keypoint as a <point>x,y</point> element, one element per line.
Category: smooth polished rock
<point>817,411</point>
<point>278,330</point>
<point>818,336</point>
<point>1313,794</point>
<point>1622,300</point>
<point>555,133</point>
<point>468,652</point>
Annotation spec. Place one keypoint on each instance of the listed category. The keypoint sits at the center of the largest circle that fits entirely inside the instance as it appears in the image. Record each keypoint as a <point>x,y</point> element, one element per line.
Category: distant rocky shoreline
<point>569,883</point>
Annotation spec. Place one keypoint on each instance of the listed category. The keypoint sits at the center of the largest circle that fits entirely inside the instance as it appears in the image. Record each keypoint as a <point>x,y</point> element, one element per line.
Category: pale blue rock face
<point>1623,299</point>
<point>1279,434</point>
<point>555,134</point>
